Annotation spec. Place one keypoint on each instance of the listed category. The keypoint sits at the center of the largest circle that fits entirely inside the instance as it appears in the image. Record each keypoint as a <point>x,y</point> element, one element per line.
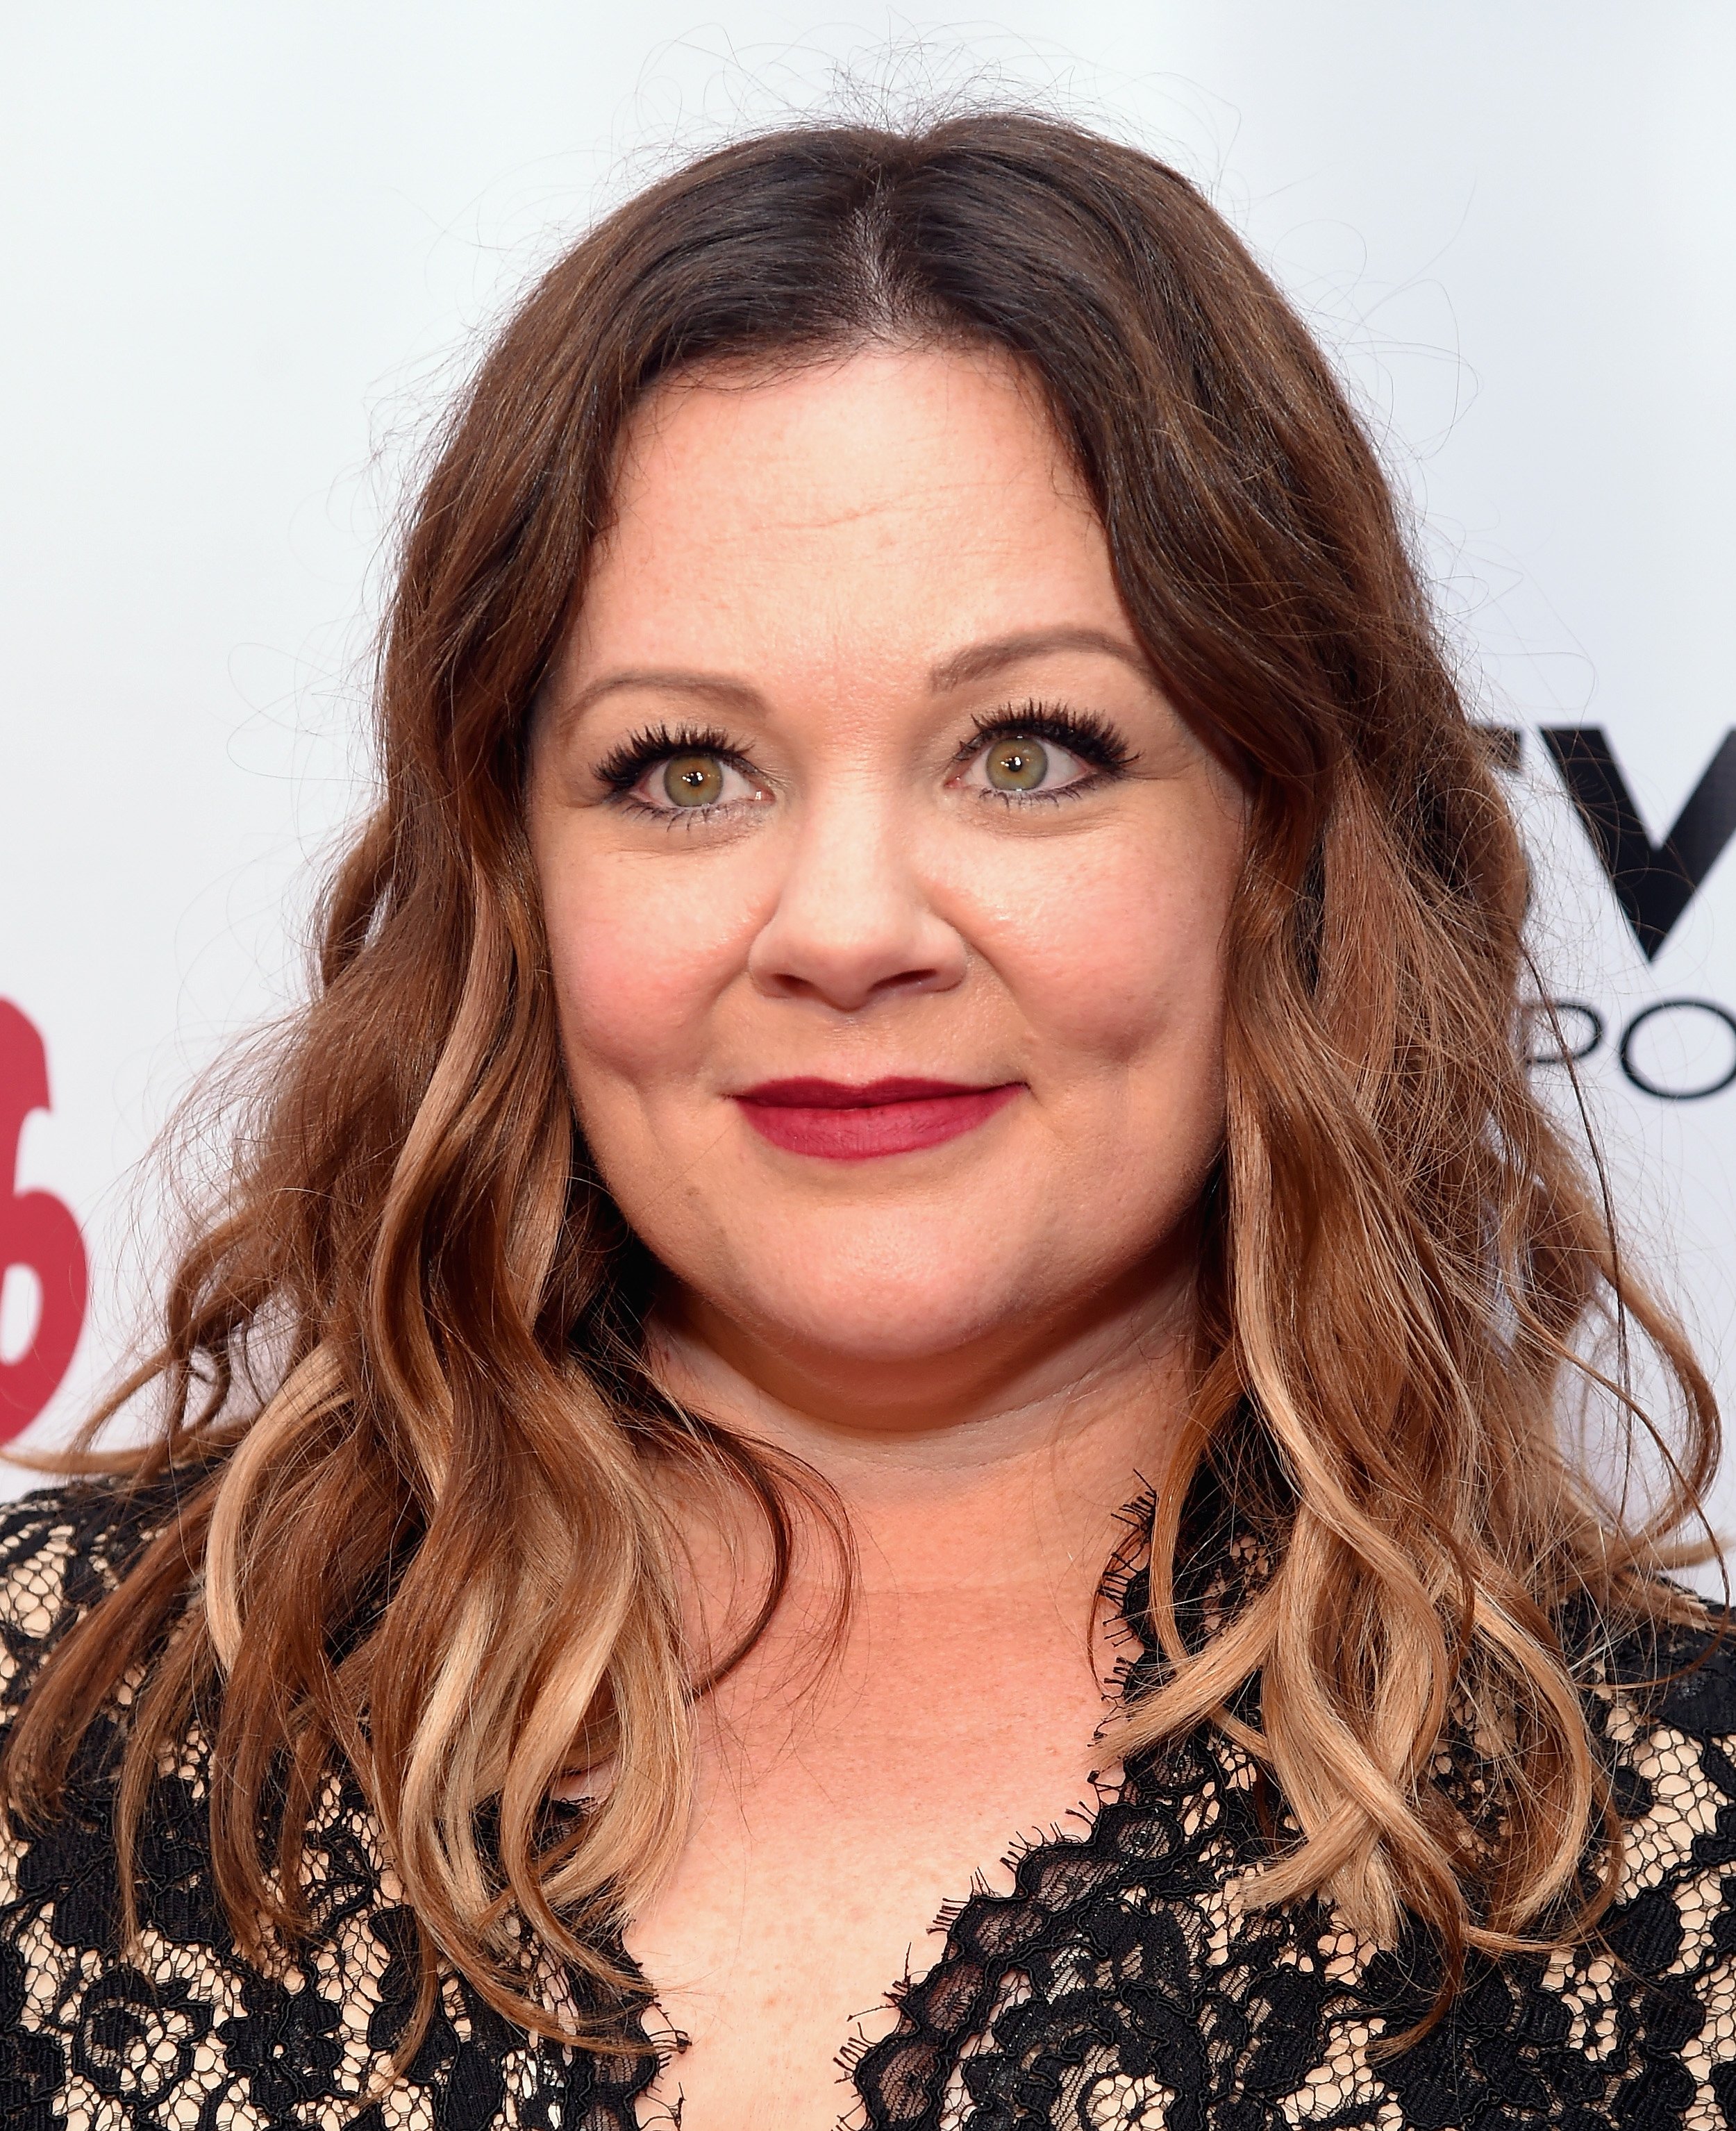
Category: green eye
<point>694,780</point>
<point>1017,764</point>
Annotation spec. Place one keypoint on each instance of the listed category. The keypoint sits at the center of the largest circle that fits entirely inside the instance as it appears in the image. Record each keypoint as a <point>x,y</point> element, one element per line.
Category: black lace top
<point>1118,1988</point>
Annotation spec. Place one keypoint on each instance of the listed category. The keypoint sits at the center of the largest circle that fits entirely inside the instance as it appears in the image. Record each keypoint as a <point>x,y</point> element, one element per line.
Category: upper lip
<point>808,1094</point>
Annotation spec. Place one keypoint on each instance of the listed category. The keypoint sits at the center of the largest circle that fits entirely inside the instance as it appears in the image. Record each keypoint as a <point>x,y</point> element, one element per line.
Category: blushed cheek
<point>635,975</point>
<point>1123,963</point>
<point>1135,1015</point>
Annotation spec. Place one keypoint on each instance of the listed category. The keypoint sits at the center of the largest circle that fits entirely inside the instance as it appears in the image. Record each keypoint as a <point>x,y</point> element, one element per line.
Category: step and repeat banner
<point>247,254</point>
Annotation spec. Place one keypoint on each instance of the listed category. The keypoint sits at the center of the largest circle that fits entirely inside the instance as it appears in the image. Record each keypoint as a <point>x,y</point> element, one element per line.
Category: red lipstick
<point>839,1123</point>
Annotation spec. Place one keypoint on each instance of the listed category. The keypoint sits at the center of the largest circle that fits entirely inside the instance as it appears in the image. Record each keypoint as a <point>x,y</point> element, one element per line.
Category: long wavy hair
<point>422,1537</point>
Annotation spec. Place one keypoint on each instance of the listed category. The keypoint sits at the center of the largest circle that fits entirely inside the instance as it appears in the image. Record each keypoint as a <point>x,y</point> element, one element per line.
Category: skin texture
<point>820,584</point>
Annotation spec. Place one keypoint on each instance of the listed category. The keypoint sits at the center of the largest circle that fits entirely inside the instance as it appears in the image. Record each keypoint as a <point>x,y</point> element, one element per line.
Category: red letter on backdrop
<point>35,1230</point>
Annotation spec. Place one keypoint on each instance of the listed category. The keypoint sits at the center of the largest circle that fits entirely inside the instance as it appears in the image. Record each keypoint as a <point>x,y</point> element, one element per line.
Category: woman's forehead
<point>882,429</point>
<point>908,493</point>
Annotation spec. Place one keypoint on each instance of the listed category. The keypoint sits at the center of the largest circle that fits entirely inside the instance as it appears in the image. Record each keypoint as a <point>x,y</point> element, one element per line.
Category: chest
<point>838,1812</point>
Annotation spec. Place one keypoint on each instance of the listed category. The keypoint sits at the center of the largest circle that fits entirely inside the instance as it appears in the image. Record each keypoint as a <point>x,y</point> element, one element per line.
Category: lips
<point>837,1122</point>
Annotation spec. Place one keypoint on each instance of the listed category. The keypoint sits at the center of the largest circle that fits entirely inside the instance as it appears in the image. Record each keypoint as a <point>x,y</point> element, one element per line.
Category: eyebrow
<point>714,687</point>
<point>975,662</point>
<point>979,662</point>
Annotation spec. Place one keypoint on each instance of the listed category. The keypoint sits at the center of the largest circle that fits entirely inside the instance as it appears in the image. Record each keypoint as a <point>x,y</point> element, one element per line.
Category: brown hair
<point>430,1550</point>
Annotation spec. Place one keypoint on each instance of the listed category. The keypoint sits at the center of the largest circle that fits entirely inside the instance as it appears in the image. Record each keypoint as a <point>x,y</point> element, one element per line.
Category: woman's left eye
<point>1017,763</point>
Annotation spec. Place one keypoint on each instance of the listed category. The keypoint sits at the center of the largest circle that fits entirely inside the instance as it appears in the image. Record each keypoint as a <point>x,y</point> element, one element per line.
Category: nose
<point>853,922</point>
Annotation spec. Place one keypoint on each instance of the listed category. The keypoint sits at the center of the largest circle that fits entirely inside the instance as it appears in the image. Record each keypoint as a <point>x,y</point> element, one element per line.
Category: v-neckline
<point>1123,1593</point>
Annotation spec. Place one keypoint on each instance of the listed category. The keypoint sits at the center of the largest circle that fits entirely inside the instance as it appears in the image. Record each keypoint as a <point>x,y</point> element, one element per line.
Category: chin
<point>891,1326</point>
<point>913,1300</point>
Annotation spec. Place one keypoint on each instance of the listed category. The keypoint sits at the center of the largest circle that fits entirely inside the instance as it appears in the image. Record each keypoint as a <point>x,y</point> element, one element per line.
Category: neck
<point>1010,1460</point>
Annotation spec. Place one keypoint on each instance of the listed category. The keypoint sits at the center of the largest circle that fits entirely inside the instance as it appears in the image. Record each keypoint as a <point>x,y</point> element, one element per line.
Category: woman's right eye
<point>692,782</point>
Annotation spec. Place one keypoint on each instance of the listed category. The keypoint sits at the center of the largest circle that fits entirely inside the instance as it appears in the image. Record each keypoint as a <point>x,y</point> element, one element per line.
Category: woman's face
<point>885,893</point>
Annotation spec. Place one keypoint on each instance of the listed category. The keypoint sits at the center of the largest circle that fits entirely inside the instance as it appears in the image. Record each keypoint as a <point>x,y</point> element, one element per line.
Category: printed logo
<point>38,1233</point>
<point>1654,883</point>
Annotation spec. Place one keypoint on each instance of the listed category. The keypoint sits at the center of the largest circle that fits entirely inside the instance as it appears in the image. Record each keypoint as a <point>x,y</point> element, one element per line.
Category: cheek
<point>1116,953</point>
<point>638,958</point>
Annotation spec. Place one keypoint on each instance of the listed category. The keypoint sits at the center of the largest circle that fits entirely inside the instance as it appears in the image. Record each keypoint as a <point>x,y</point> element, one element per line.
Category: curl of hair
<point>433,1552</point>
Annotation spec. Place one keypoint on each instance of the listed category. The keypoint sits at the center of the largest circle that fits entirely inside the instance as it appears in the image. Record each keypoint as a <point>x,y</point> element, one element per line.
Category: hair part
<point>438,1552</point>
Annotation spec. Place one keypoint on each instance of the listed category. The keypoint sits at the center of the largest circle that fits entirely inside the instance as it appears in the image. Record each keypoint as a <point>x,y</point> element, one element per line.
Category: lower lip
<point>872,1129</point>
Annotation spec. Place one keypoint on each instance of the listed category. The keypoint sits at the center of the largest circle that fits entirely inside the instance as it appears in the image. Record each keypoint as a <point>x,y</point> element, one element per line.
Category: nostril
<point>848,990</point>
<point>910,980</point>
<point>850,927</point>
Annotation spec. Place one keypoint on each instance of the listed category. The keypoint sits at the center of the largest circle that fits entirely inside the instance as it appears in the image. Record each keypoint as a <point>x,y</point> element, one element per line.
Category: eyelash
<point>621,769</point>
<point>1083,733</point>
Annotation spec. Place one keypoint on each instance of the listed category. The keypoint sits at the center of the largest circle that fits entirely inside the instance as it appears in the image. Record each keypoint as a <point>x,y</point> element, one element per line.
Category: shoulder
<point>1663,1697</point>
<point>172,2024</point>
<point>1680,1673</point>
<point>1661,1701</point>
<point>1659,1694</point>
<point>1634,2024</point>
<point>63,1550</point>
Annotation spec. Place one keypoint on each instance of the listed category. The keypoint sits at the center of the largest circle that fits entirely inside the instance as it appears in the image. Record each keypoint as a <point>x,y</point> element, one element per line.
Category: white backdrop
<point>245,251</point>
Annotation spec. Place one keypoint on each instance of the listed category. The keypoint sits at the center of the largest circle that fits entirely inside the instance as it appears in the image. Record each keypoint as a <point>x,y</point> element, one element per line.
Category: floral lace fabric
<point>1118,1987</point>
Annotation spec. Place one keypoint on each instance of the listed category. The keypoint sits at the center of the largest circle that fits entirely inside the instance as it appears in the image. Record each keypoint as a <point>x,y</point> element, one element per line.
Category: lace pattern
<point>1118,1987</point>
<point>188,2035</point>
<point>1121,1986</point>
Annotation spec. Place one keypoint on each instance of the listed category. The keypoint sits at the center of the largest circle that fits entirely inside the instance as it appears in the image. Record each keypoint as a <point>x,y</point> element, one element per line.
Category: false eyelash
<point>621,769</point>
<point>1087,734</point>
